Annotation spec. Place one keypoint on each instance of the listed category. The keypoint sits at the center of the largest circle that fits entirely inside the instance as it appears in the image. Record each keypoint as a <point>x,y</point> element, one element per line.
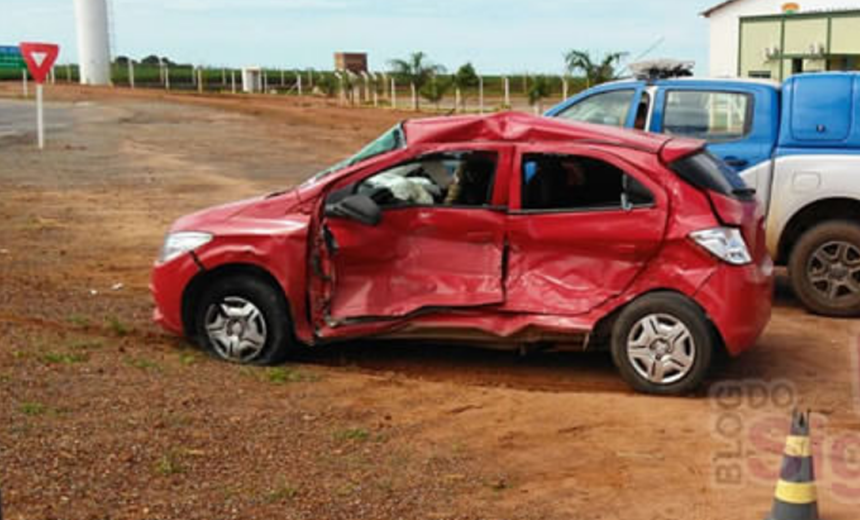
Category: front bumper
<point>738,299</point>
<point>167,285</point>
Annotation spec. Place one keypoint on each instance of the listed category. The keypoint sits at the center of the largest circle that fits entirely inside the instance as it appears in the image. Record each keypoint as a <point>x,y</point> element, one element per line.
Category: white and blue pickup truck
<point>797,144</point>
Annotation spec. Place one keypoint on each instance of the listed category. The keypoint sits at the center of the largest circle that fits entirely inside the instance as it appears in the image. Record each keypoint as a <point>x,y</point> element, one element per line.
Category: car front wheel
<point>662,344</point>
<point>243,319</point>
<point>825,269</point>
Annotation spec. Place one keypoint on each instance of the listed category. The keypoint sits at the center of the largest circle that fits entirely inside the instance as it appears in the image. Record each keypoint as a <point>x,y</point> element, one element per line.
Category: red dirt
<point>104,416</point>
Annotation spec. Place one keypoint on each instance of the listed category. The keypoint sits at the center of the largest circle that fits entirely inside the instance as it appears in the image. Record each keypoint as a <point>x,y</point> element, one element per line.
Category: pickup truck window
<point>714,116</point>
<point>606,108</point>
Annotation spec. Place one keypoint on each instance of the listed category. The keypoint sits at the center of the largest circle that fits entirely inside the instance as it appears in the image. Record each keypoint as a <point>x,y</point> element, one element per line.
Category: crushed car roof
<point>520,127</point>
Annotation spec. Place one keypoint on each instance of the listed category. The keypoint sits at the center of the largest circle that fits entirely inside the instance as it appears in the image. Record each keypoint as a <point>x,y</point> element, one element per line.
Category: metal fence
<point>492,92</point>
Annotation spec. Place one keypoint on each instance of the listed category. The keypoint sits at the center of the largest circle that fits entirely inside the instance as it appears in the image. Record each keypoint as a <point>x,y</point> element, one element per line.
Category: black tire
<point>669,306</point>
<point>273,312</point>
<point>802,265</point>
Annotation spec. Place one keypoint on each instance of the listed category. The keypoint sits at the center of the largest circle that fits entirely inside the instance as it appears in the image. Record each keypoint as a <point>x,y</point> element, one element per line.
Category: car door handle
<point>736,162</point>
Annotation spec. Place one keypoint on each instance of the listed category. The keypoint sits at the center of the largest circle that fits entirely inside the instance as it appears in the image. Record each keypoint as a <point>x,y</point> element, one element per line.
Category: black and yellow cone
<point>796,494</point>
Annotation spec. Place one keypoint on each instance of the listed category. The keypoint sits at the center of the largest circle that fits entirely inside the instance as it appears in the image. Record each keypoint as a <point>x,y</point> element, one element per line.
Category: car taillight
<point>726,243</point>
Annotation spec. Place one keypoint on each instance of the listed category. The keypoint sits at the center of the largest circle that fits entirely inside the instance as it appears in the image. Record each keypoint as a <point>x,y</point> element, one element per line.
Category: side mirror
<point>360,208</point>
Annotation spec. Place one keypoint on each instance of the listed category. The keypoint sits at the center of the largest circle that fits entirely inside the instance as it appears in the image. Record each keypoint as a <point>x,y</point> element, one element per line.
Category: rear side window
<point>569,182</point>
<point>607,108</point>
<point>710,115</point>
<point>707,172</point>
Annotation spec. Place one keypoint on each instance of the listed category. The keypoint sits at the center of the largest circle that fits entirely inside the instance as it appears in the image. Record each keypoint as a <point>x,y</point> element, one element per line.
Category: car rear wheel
<point>825,269</point>
<point>244,320</point>
<point>662,344</point>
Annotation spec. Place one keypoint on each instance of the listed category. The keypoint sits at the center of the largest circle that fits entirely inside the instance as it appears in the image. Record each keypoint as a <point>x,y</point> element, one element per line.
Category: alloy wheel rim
<point>833,270</point>
<point>236,329</point>
<point>661,349</point>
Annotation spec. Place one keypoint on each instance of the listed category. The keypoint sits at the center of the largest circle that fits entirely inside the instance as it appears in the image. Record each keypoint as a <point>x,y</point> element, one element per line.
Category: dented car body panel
<point>499,271</point>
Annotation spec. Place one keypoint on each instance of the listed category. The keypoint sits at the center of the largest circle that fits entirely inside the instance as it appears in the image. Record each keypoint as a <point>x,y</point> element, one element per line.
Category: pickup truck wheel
<point>825,269</point>
<point>662,344</point>
<point>243,319</point>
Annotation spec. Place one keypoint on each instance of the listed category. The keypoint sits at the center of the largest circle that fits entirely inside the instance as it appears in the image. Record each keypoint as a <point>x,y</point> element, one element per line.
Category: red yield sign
<point>40,57</point>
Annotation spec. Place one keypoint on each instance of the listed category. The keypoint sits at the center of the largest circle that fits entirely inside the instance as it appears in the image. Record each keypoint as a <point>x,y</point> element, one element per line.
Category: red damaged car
<point>507,229</point>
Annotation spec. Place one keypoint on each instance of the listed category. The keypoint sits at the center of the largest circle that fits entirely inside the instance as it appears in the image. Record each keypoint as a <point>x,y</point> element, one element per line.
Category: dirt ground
<point>104,416</point>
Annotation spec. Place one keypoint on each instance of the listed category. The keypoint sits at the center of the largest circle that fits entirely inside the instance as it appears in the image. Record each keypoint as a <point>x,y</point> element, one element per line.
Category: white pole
<point>131,74</point>
<point>481,94</point>
<point>311,79</point>
<point>457,100</point>
<point>299,83</point>
<point>393,93</point>
<point>40,117</point>
<point>25,86</point>
<point>375,90</point>
<point>414,97</point>
<point>53,76</point>
<point>564,87</point>
<point>507,92</point>
<point>233,81</point>
<point>265,81</point>
<point>200,80</point>
<point>167,77</point>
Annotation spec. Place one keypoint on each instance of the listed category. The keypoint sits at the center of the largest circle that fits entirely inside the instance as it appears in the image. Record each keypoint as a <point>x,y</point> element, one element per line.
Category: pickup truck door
<point>739,122</point>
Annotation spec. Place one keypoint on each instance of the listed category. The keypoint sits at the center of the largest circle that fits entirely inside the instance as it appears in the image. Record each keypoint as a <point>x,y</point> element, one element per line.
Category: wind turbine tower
<point>93,41</point>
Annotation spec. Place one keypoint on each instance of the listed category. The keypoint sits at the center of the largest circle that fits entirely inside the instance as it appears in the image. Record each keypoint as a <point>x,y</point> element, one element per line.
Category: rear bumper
<point>167,285</point>
<point>738,299</point>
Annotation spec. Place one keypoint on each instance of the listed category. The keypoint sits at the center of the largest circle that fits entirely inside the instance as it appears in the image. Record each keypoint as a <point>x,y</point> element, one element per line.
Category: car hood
<point>266,206</point>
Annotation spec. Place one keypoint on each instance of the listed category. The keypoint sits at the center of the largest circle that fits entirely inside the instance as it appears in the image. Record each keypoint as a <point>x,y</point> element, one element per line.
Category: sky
<point>497,36</point>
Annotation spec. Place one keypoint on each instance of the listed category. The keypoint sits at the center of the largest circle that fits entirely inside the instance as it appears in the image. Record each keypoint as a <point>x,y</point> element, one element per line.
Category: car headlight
<point>725,243</point>
<point>175,244</point>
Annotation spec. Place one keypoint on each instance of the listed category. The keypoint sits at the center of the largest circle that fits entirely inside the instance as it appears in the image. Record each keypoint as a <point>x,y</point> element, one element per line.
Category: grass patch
<point>284,375</point>
<point>58,358</point>
<point>78,320</point>
<point>86,344</point>
<point>188,358</point>
<point>282,493</point>
<point>169,464</point>
<point>117,327</point>
<point>33,409</point>
<point>352,434</point>
<point>143,364</point>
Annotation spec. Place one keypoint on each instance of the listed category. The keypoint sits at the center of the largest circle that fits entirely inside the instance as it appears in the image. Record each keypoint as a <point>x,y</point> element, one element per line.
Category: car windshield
<point>387,142</point>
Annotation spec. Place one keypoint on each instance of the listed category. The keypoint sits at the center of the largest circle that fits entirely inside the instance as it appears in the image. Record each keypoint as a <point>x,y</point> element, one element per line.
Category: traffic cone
<point>796,497</point>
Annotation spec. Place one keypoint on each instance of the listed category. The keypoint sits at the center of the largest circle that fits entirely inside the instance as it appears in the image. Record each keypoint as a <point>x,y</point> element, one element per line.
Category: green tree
<point>435,89</point>
<point>327,84</point>
<point>539,89</point>
<point>416,70</point>
<point>596,71</point>
<point>464,79</point>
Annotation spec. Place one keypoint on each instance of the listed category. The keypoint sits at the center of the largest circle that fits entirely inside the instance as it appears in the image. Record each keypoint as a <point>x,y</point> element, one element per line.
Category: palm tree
<point>416,70</point>
<point>595,72</point>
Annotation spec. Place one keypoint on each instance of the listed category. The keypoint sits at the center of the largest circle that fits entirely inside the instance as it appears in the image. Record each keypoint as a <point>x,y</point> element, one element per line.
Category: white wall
<point>725,24</point>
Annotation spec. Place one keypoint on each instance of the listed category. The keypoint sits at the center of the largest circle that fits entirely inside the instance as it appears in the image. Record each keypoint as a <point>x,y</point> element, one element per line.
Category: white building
<point>725,18</point>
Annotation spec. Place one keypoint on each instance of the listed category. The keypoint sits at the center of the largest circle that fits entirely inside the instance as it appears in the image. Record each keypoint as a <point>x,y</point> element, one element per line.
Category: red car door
<point>583,223</point>
<point>441,251</point>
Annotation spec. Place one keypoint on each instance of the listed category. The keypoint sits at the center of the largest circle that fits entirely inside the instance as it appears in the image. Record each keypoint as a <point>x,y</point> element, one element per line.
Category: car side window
<point>606,108</point>
<point>450,179</point>
<point>710,115</point>
<point>569,182</point>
